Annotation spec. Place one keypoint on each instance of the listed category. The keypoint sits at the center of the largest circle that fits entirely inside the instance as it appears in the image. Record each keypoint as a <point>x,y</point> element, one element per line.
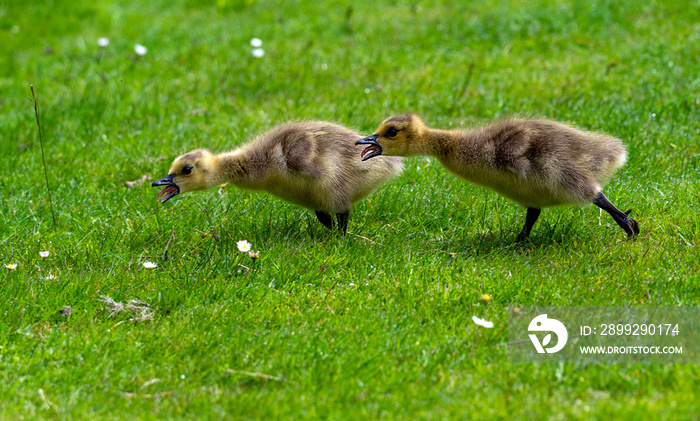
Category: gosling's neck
<point>233,167</point>
<point>443,144</point>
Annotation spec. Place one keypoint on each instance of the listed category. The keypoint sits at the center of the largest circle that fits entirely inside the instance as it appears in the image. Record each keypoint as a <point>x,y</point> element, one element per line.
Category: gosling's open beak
<point>169,191</point>
<point>374,148</point>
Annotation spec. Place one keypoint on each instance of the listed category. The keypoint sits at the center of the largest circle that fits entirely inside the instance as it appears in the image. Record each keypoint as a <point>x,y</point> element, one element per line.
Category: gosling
<point>314,164</point>
<point>536,163</point>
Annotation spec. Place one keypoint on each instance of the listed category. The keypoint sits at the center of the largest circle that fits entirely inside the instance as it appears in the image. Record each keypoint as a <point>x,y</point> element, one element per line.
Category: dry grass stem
<point>146,395</point>
<point>141,180</point>
<point>46,401</point>
<point>253,374</point>
<point>213,230</point>
<point>165,252</point>
<point>35,101</point>
<point>365,238</point>
<point>141,310</point>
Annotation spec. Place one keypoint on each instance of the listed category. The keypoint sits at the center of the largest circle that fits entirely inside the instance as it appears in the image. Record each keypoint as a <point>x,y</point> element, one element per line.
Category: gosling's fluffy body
<point>314,164</point>
<point>536,163</point>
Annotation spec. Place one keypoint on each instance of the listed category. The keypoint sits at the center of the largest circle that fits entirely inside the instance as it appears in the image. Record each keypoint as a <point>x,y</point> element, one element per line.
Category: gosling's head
<point>396,135</point>
<point>191,171</point>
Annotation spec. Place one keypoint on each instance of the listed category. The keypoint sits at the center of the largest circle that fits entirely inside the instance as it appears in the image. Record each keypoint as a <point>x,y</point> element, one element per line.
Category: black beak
<point>374,148</point>
<point>165,181</point>
<point>171,189</point>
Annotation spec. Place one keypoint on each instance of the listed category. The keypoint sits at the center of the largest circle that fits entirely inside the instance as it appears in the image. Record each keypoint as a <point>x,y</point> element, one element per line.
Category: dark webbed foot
<point>632,223</point>
<point>628,224</point>
<point>530,219</point>
<point>343,221</point>
<point>325,219</point>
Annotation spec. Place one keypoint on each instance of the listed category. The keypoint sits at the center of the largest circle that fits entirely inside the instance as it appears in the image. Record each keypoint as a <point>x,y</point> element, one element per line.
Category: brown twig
<point>165,252</point>
<point>213,229</point>
<point>297,249</point>
<point>328,293</point>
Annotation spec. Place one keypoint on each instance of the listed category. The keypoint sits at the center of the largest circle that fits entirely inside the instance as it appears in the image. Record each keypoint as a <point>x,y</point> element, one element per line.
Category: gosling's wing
<point>514,147</point>
<point>300,151</point>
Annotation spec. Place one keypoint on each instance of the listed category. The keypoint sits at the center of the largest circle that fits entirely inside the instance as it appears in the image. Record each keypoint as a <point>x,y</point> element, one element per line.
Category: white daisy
<point>258,52</point>
<point>243,246</point>
<point>149,265</point>
<point>482,322</point>
<point>103,41</point>
<point>44,253</point>
<point>256,42</point>
<point>11,266</point>
<point>140,49</point>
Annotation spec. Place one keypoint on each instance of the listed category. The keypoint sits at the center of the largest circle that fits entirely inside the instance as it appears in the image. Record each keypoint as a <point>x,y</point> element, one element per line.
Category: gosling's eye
<point>186,170</point>
<point>392,132</point>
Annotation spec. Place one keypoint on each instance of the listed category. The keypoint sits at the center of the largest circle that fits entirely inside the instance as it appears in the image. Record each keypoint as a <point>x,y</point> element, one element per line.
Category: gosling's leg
<point>325,219</point>
<point>530,219</point>
<point>343,221</point>
<point>623,220</point>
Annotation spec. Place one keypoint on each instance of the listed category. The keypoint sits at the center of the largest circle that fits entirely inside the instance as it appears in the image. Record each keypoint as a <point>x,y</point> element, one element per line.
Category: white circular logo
<point>542,324</point>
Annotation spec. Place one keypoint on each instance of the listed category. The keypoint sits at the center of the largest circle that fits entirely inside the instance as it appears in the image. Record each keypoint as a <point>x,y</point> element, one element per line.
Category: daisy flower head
<point>103,41</point>
<point>482,322</point>
<point>44,253</point>
<point>254,255</point>
<point>243,246</point>
<point>140,49</point>
<point>256,42</point>
<point>258,52</point>
<point>149,265</point>
<point>11,266</point>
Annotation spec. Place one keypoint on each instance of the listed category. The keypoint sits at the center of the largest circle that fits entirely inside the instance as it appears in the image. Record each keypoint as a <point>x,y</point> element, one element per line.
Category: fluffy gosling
<point>536,163</point>
<point>314,164</point>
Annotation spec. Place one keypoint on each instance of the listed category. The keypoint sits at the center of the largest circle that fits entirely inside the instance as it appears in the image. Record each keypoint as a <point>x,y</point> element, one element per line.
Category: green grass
<point>376,324</point>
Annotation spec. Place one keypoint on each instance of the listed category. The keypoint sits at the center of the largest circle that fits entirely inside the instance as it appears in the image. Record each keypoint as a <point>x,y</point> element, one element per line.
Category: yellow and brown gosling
<point>314,164</point>
<point>537,163</point>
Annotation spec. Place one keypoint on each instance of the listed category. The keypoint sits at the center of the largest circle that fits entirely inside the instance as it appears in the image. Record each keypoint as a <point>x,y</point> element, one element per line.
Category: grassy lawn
<point>374,324</point>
